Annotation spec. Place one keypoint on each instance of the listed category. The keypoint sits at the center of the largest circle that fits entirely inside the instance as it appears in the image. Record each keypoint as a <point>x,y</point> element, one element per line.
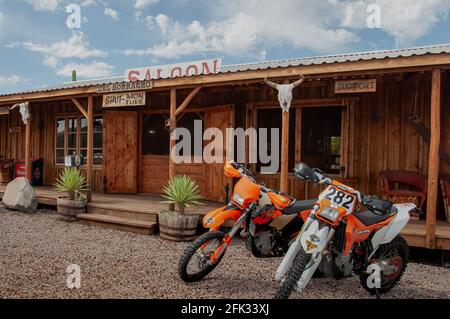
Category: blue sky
<point>38,49</point>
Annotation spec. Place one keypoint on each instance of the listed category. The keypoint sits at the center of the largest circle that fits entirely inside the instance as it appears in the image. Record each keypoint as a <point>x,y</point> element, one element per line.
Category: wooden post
<point>434,161</point>
<point>90,145</point>
<point>173,108</point>
<point>28,149</point>
<point>284,152</point>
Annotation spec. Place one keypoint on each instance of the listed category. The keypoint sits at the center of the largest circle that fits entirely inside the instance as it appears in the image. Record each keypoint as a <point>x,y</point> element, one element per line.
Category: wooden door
<point>215,180</point>
<point>121,151</point>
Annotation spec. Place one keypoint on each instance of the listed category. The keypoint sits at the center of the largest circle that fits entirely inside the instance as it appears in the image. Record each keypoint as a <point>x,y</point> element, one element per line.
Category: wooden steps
<point>120,223</point>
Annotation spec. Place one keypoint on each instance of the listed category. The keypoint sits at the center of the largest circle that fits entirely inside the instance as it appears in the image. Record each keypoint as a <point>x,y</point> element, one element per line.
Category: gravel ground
<point>36,249</point>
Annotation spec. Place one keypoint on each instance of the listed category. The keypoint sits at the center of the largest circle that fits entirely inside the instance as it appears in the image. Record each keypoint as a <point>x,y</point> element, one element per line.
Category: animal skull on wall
<point>24,109</point>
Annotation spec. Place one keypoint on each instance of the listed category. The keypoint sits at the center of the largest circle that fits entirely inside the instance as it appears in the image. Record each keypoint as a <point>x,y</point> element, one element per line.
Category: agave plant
<point>182,191</point>
<point>71,181</point>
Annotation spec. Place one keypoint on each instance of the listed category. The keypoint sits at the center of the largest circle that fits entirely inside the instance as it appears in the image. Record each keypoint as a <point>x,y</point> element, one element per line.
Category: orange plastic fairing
<point>215,219</point>
<point>247,190</point>
<point>280,201</point>
<point>230,171</point>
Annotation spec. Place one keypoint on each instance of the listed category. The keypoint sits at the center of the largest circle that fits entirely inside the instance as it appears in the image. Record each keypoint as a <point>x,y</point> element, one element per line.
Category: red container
<point>37,167</point>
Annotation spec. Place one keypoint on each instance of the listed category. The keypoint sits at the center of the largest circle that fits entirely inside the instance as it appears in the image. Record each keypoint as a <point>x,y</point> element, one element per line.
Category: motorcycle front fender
<point>315,237</point>
<point>215,219</point>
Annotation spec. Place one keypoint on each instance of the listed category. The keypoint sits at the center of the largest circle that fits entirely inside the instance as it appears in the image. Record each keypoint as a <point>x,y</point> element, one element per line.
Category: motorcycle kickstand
<point>377,293</point>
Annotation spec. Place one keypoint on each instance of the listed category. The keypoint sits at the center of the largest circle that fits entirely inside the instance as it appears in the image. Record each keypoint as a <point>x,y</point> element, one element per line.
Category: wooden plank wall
<point>385,139</point>
<point>12,146</point>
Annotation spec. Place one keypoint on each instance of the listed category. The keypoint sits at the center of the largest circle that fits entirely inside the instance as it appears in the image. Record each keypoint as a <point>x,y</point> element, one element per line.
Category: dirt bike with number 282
<point>268,219</point>
<point>338,241</point>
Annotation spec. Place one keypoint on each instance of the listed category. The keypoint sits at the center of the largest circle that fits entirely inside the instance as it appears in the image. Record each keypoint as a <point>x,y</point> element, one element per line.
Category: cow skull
<point>24,109</point>
<point>284,91</point>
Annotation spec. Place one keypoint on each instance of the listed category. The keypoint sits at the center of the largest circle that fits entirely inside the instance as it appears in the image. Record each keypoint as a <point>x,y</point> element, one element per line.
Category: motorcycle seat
<point>370,218</point>
<point>299,206</point>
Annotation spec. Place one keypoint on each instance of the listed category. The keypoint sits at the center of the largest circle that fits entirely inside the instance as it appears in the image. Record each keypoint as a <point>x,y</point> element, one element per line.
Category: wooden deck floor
<point>415,232</point>
<point>133,203</point>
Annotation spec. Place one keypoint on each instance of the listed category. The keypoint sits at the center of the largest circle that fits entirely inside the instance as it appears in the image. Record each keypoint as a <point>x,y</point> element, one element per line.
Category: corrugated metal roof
<point>317,60</point>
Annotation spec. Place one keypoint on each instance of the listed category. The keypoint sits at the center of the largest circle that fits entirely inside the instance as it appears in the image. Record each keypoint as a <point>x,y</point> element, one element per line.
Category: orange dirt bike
<point>338,241</point>
<point>270,221</point>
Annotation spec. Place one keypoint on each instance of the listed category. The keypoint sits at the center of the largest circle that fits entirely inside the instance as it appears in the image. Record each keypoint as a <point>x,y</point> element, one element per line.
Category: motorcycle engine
<point>336,266</point>
<point>263,244</point>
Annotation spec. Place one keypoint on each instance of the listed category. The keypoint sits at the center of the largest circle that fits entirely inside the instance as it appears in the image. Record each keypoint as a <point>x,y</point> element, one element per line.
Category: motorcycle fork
<point>229,237</point>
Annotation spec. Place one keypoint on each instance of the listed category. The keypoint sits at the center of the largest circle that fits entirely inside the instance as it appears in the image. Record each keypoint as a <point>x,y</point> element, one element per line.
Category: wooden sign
<point>124,99</point>
<point>4,110</point>
<point>125,87</point>
<point>15,130</point>
<point>355,86</point>
<point>204,67</point>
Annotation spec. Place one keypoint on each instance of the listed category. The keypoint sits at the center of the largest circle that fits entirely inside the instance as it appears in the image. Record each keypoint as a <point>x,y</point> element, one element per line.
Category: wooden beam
<point>28,149</point>
<point>173,107</point>
<point>284,152</point>
<point>298,135</point>
<point>90,145</point>
<point>80,107</point>
<point>434,161</point>
<point>188,100</point>
<point>404,64</point>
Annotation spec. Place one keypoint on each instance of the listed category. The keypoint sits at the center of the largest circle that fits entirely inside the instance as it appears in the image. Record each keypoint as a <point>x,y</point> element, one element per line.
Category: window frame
<point>347,125</point>
<point>78,134</point>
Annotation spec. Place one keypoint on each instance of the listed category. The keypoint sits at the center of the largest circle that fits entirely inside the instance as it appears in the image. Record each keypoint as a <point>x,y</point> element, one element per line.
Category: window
<point>187,121</point>
<point>71,138</point>
<point>155,137</point>
<point>272,118</point>
<point>321,138</point>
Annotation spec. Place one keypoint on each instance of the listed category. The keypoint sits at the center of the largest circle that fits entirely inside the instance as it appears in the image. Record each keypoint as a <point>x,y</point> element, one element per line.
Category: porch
<point>139,214</point>
<point>135,213</point>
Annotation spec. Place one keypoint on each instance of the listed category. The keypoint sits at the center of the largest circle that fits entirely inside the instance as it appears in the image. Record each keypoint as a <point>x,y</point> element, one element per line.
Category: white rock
<point>19,195</point>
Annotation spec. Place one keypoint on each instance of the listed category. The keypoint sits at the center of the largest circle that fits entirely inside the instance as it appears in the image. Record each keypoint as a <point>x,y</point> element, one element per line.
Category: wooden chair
<point>417,184</point>
<point>6,171</point>
<point>445,184</point>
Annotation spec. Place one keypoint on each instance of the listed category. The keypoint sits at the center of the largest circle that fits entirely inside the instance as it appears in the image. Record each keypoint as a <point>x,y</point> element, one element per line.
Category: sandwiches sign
<point>355,86</point>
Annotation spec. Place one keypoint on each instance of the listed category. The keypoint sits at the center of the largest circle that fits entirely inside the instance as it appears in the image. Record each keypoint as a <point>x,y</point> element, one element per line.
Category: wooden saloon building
<point>357,117</point>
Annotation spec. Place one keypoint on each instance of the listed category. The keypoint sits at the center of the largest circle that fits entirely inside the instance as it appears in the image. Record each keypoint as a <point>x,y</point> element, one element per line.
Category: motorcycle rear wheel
<point>294,274</point>
<point>396,248</point>
<point>195,248</point>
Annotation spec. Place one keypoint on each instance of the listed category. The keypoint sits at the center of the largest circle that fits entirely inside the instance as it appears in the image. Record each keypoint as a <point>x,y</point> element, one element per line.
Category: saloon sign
<point>173,70</point>
<point>124,99</point>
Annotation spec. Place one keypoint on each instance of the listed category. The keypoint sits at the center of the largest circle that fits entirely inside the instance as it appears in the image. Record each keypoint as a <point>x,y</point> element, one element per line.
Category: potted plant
<point>175,224</point>
<point>73,183</point>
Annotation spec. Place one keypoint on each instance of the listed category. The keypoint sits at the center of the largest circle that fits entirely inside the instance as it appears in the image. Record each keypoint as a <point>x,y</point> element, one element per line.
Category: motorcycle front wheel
<point>195,262</point>
<point>294,274</point>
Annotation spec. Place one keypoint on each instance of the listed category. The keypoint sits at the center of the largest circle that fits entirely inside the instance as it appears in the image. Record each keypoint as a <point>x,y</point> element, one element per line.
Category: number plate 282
<point>339,198</point>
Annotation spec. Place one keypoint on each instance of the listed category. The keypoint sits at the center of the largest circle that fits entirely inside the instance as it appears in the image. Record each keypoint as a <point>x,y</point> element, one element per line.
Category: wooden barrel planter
<point>69,209</point>
<point>177,227</point>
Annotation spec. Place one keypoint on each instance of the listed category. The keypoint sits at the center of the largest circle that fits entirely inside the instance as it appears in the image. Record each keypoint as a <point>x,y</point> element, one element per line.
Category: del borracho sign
<point>355,86</point>
<point>124,99</point>
<point>173,70</point>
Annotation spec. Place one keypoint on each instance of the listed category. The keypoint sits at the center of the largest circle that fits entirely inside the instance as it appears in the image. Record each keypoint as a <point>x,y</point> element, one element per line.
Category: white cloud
<point>87,3</point>
<point>112,13</point>
<point>6,81</point>
<point>250,28</point>
<point>51,61</point>
<point>75,47</point>
<point>405,20</point>
<point>43,5</point>
<point>142,4</point>
<point>86,70</point>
